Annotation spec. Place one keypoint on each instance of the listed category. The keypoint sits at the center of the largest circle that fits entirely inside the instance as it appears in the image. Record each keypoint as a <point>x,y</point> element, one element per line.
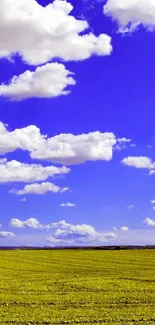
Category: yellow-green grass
<point>77,287</point>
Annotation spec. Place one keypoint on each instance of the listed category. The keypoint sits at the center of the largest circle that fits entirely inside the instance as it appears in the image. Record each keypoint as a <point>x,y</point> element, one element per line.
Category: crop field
<point>77,287</point>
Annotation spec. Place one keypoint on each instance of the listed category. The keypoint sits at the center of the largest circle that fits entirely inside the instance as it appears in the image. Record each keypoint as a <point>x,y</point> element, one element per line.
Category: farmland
<point>77,287</point>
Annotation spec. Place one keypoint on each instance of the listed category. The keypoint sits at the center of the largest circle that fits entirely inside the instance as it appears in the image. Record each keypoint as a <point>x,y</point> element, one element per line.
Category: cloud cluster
<point>81,233</point>
<point>140,162</point>
<point>50,80</point>
<point>14,171</point>
<point>123,143</point>
<point>39,33</point>
<point>39,188</point>
<point>66,149</point>
<point>131,13</point>
<point>84,234</point>
<point>63,232</point>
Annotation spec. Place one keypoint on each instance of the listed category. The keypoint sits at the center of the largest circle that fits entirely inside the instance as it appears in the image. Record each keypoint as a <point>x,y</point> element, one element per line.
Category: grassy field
<point>77,287</point>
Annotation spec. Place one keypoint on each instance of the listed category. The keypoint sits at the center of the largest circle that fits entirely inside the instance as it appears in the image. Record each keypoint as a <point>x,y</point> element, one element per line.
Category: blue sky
<point>77,112</point>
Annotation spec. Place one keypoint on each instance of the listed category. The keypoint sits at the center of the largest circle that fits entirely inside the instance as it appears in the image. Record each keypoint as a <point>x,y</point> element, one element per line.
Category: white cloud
<point>6,234</point>
<point>82,233</point>
<point>29,223</point>
<point>124,228</point>
<point>47,81</point>
<point>144,236</point>
<point>79,233</point>
<point>130,207</point>
<point>14,171</point>
<point>66,149</point>
<point>61,147</point>
<point>65,189</point>
<point>39,33</point>
<point>123,140</point>
<point>28,138</point>
<point>131,13</point>
<point>122,143</point>
<point>3,160</point>
<point>68,204</point>
<point>72,149</point>
<point>153,202</point>
<point>149,222</point>
<point>37,188</point>
<point>63,232</point>
<point>62,224</point>
<point>23,199</point>
<point>140,162</point>
<point>137,162</point>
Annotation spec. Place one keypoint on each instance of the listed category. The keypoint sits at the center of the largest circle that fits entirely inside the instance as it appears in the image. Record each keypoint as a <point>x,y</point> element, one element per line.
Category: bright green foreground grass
<point>77,287</point>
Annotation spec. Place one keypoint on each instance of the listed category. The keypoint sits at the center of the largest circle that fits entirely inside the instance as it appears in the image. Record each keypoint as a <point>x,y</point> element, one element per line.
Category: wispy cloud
<point>68,204</point>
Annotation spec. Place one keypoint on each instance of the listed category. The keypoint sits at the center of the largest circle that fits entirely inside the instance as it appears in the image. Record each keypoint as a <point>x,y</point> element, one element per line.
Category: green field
<point>77,287</point>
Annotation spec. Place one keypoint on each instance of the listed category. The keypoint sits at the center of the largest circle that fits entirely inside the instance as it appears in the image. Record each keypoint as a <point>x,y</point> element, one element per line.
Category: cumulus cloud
<point>39,188</point>
<point>68,204</point>
<point>14,171</point>
<point>149,222</point>
<point>28,138</point>
<point>82,233</point>
<point>40,33</point>
<point>137,162</point>
<point>131,13</point>
<point>63,232</point>
<point>6,234</point>
<point>72,149</point>
<point>79,233</point>
<point>124,228</point>
<point>140,162</point>
<point>66,149</point>
<point>29,223</point>
<point>46,81</point>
